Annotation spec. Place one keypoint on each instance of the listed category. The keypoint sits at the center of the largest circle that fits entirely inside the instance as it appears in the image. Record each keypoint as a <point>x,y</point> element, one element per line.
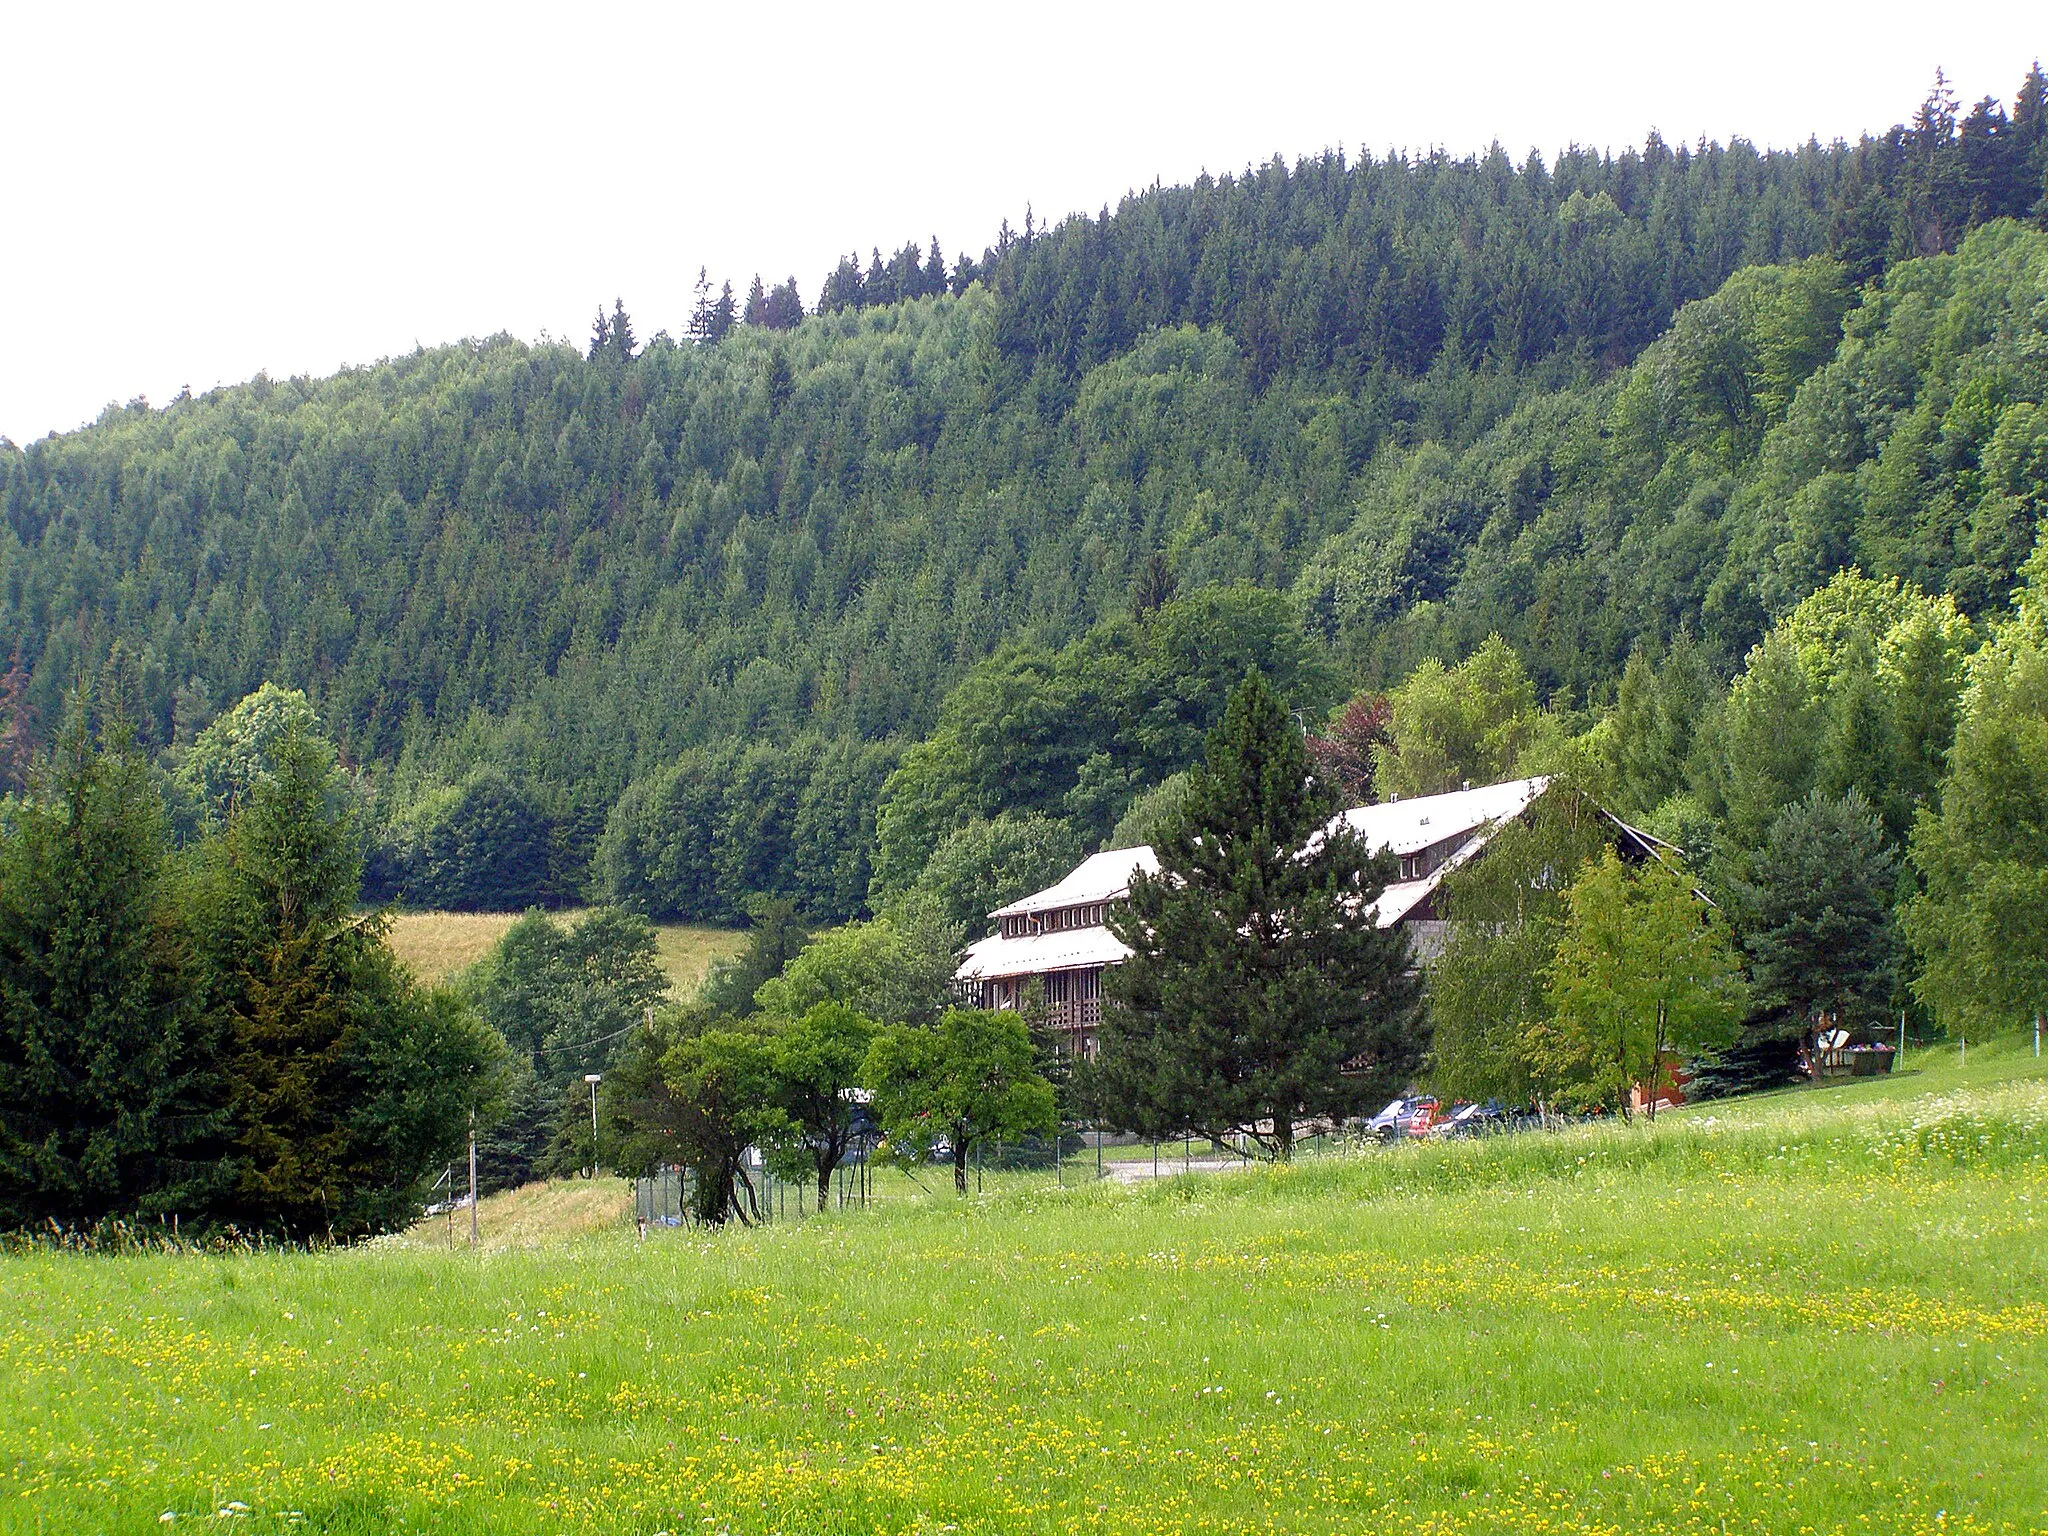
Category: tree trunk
<point>1650,1094</point>
<point>1283,1138</point>
<point>825,1171</point>
<point>959,1161</point>
<point>746,1206</point>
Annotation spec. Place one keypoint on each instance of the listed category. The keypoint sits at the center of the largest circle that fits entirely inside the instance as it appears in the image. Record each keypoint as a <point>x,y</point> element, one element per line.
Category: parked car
<point>1430,1114</point>
<point>1471,1120</point>
<point>1393,1122</point>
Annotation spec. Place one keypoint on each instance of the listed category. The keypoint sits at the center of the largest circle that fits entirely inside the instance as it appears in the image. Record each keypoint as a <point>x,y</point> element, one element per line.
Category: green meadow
<point>1823,1311</point>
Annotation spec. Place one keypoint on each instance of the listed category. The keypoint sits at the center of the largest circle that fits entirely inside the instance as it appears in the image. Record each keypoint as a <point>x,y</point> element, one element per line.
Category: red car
<point>1396,1120</point>
<point>1429,1114</point>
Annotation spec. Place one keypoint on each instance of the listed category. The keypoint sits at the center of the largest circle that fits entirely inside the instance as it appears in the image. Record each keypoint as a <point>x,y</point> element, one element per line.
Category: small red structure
<point>1674,1076</point>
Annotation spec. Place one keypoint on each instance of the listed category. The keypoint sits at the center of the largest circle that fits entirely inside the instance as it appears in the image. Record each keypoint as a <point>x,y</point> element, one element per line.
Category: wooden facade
<point>1052,947</point>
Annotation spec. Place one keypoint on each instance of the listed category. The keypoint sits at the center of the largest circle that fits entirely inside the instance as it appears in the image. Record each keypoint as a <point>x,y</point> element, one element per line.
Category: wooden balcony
<point>1085,1014</point>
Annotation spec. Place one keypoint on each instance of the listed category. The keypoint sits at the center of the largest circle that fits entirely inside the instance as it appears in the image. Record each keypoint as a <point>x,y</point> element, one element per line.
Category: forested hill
<point>1414,395</point>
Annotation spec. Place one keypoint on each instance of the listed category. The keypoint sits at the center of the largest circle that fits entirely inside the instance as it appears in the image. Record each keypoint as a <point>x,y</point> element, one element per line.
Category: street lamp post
<point>593,1078</point>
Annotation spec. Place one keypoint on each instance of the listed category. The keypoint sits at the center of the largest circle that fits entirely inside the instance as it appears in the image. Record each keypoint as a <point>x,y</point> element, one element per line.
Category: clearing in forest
<point>440,945</point>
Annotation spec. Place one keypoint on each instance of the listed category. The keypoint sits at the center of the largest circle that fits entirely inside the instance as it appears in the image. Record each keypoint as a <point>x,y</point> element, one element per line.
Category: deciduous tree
<point>814,1063</point>
<point>969,1078</point>
<point>1643,967</point>
<point>1506,913</point>
<point>1456,724</point>
<point>1980,927</point>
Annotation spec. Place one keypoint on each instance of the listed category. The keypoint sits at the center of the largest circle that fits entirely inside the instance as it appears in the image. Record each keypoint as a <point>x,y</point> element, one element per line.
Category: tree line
<point>1421,396</point>
<point>196,1019</point>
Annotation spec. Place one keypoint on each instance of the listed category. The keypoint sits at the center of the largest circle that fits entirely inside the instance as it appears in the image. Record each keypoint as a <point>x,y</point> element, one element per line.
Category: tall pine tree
<point>1261,990</point>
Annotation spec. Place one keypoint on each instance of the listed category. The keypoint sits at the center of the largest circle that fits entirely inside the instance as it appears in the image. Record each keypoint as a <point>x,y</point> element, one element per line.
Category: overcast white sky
<point>201,191</point>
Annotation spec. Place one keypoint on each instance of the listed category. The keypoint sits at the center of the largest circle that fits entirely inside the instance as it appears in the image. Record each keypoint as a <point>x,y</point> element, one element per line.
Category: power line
<point>584,1045</point>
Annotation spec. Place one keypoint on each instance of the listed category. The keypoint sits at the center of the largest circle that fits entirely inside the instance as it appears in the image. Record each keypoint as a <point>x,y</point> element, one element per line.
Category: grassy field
<point>1817,1312</point>
<point>438,945</point>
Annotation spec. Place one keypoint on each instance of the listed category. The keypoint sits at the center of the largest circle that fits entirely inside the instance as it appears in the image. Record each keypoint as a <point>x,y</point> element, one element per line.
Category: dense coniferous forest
<point>778,607</point>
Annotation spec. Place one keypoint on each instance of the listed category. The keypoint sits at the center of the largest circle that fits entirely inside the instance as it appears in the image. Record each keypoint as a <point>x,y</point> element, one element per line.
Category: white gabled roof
<point>1409,826</point>
<point>1074,949</point>
<point>1397,827</point>
<point>1101,877</point>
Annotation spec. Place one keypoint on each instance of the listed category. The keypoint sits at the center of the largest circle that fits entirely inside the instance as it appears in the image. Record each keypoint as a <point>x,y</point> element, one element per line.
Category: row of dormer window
<point>1058,920</point>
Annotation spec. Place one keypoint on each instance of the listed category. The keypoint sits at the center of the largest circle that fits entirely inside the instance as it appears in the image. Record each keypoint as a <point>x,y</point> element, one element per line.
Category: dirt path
<point>1126,1171</point>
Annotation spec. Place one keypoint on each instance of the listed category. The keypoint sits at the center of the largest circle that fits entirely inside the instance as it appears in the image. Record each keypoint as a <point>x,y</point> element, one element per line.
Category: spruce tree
<point>700,307</point>
<point>346,1084</point>
<point>785,306</point>
<point>841,288</point>
<point>781,383</point>
<point>1816,918</point>
<point>1261,989</point>
<point>103,1067</point>
<point>279,937</point>
<point>16,726</point>
<point>508,1153</point>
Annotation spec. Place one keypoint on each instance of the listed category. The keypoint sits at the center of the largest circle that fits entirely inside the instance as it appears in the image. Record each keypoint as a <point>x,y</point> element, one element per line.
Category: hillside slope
<point>517,579</point>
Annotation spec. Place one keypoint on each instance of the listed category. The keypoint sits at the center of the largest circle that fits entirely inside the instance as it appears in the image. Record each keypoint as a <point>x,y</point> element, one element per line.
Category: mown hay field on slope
<point>440,945</point>
<point>1825,1312</point>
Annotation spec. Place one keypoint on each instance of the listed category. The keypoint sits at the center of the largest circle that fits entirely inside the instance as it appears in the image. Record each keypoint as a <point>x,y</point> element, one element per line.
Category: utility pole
<point>472,1178</point>
<point>593,1078</point>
